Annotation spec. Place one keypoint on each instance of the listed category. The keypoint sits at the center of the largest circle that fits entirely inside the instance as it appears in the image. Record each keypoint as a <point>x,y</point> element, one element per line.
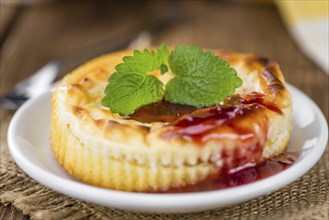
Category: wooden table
<point>32,35</point>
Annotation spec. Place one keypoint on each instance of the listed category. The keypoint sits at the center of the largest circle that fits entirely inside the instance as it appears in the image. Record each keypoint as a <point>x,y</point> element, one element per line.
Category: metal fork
<point>43,80</point>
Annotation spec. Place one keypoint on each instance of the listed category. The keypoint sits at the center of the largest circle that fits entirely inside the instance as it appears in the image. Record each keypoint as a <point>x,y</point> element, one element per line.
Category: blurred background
<point>34,32</point>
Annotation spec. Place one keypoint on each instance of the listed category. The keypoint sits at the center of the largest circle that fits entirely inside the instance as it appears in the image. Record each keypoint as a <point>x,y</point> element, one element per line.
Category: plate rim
<point>171,202</point>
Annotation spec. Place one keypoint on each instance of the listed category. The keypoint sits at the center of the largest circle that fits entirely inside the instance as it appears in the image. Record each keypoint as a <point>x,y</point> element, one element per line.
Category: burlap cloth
<point>307,198</point>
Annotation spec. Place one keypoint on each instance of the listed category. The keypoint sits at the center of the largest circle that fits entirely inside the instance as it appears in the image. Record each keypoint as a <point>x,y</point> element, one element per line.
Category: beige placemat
<point>306,198</point>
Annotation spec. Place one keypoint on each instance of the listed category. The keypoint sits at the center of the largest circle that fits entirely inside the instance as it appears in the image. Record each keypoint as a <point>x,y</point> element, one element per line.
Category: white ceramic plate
<point>28,139</point>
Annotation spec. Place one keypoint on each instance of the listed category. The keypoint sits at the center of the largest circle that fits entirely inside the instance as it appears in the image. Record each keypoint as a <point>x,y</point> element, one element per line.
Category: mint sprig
<point>131,86</point>
<point>200,79</point>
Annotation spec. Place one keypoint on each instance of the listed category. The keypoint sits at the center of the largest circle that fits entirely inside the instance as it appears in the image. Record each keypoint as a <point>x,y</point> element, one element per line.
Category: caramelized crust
<point>94,144</point>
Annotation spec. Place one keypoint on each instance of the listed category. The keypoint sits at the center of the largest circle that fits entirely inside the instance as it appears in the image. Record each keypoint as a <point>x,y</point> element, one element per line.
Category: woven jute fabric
<point>307,198</point>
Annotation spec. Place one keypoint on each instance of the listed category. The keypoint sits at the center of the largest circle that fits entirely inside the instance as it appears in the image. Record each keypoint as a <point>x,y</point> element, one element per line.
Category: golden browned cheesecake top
<point>263,92</point>
<point>248,126</point>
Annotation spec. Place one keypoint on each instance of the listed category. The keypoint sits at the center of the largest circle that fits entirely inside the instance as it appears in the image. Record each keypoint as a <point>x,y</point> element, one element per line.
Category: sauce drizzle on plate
<point>236,177</point>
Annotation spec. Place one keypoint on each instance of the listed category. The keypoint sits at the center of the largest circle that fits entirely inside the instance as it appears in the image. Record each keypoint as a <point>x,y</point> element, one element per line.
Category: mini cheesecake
<point>165,145</point>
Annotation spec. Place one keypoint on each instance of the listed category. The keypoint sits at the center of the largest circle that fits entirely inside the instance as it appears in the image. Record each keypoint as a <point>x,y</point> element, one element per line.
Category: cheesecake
<point>164,145</point>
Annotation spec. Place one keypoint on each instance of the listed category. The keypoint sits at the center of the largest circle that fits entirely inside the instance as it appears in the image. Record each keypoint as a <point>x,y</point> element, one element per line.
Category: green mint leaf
<point>140,62</point>
<point>131,87</point>
<point>128,92</point>
<point>163,54</point>
<point>163,69</point>
<point>201,78</point>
